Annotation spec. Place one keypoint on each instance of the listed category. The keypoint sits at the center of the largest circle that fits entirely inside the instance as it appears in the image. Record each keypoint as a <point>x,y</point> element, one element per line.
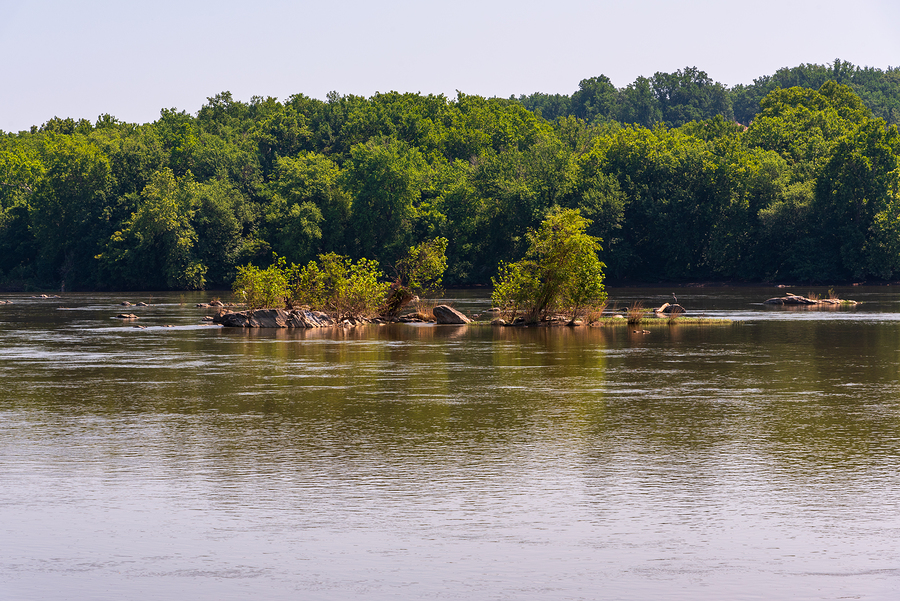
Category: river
<point>755,460</point>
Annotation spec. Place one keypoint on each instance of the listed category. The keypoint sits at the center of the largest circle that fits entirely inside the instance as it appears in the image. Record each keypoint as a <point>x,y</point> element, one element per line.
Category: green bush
<point>262,288</point>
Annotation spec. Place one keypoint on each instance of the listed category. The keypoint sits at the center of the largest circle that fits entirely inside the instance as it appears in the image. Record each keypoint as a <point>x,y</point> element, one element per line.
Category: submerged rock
<point>126,316</point>
<point>274,318</point>
<point>448,315</point>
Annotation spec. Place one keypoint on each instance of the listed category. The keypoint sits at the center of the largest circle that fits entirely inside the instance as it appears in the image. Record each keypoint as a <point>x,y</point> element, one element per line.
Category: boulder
<point>498,322</point>
<point>126,316</point>
<point>448,315</point>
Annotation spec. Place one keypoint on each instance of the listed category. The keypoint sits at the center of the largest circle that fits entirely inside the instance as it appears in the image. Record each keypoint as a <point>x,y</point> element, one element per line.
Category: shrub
<point>262,288</point>
<point>338,286</point>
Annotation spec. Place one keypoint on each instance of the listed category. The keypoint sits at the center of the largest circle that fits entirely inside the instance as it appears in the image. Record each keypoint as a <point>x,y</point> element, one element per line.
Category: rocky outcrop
<point>448,315</point>
<point>274,318</point>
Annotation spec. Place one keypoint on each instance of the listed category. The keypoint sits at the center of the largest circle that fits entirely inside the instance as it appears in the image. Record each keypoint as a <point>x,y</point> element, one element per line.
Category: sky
<point>131,59</point>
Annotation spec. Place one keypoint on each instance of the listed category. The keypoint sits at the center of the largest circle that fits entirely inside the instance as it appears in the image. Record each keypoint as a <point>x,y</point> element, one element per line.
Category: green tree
<point>857,205</point>
<point>157,246</point>
<point>639,105</point>
<point>385,177</point>
<point>68,210</point>
<point>309,211</point>
<point>419,272</point>
<point>263,288</point>
<point>219,217</point>
<point>561,270</point>
<point>596,100</point>
<point>20,172</point>
<point>690,95</point>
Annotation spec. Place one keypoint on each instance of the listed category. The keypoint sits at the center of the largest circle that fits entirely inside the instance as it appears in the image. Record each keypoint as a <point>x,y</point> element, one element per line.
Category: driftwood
<point>796,300</point>
<point>668,309</point>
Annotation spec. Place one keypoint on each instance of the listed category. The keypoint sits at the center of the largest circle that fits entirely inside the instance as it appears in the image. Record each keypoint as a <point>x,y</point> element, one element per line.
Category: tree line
<point>691,95</point>
<point>807,190</point>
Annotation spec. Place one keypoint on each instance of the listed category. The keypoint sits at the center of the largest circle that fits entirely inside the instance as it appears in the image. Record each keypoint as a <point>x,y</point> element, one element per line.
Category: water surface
<point>757,460</point>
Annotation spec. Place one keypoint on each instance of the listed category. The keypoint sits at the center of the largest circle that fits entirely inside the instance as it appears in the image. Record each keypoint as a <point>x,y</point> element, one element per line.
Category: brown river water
<point>755,460</point>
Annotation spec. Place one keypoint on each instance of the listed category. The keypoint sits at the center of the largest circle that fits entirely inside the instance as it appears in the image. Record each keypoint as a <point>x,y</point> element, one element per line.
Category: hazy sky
<point>130,59</point>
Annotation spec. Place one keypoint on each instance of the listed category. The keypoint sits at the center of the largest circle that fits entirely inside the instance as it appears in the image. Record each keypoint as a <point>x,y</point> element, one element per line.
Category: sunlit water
<point>757,460</point>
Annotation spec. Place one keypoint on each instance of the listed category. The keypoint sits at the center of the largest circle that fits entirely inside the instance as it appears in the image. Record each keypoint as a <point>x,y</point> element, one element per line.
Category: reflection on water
<point>755,460</point>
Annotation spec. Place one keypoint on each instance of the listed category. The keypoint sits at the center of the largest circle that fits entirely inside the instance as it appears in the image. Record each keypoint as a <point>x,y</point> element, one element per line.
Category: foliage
<point>335,284</point>
<point>340,286</point>
<point>662,168</point>
<point>262,288</point>
<point>157,246</point>
<point>561,270</point>
<point>419,272</point>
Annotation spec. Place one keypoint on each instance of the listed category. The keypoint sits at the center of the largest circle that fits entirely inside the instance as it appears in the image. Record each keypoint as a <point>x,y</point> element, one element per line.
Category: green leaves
<point>808,191</point>
<point>335,284</point>
<point>561,270</point>
<point>262,288</point>
<point>157,246</point>
<point>385,177</point>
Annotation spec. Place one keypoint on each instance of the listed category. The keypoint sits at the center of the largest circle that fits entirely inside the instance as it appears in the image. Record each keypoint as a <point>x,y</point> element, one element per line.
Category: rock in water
<point>273,318</point>
<point>448,315</point>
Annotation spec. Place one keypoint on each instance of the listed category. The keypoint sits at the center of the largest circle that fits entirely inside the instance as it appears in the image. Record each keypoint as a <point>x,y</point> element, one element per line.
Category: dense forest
<point>794,177</point>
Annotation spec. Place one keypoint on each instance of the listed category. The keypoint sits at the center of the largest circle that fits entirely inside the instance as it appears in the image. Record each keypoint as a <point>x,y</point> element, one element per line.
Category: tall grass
<point>636,313</point>
<point>425,310</point>
<point>594,314</point>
